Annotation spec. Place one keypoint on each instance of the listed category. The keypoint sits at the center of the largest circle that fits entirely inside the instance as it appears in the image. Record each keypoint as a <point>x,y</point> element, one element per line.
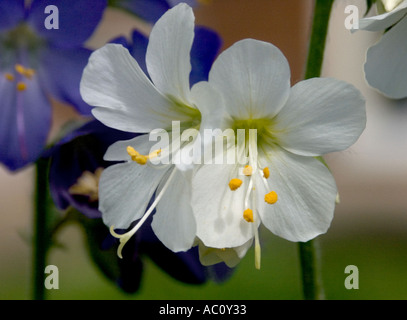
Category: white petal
<point>173,222</point>
<point>321,115</point>
<point>386,64</point>
<point>230,256</point>
<point>217,209</point>
<point>385,20</point>
<point>124,97</point>
<point>168,52</point>
<point>125,190</point>
<point>306,196</point>
<point>254,78</point>
<point>210,104</point>
<point>118,150</point>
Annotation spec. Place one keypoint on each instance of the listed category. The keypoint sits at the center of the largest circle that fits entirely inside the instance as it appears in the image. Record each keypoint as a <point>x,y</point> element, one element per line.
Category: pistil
<point>126,236</point>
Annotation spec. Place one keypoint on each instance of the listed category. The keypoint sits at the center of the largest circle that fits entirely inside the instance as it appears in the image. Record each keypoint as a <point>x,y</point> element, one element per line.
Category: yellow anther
<point>9,76</point>
<point>139,158</point>
<point>248,215</point>
<point>29,73</point>
<point>21,86</point>
<point>26,72</point>
<point>247,170</point>
<point>20,69</point>
<point>235,184</point>
<point>132,152</point>
<point>266,172</point>
<point>271,197</point>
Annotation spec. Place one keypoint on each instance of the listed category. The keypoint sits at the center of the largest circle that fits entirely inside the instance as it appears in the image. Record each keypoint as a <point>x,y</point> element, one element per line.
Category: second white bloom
<point>276,181</point>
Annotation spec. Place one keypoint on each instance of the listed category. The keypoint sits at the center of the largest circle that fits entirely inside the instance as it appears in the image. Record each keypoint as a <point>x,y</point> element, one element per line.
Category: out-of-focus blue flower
<point>77,160</point>
<point>148,10</point>
<point>39,59</point>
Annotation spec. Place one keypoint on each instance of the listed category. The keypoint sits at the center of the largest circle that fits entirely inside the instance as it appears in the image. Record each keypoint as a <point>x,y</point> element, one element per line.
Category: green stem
<point>41,240</point>
<point>319,31</point>
<point>309,260</point>
<point>310,270</point>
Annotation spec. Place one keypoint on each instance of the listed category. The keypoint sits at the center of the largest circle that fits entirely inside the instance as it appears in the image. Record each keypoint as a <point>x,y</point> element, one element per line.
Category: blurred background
<point>369,229</point>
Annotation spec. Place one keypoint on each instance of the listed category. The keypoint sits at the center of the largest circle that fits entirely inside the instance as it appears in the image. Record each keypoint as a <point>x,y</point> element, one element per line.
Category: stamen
<point>257,249</point>
<point>248,170</point>
<point>20,69</point>
<point>248,193</point>
<point>26,72</point>
<point>235,184</point>
<point>126,236</point>
<point>248,215</point>
<point>271,197</point>
<point>139,158</point>
<point>266,172</point>
<point>21,86</point>
<point>154,154</point>
<point>29,73</point>
<point>9,76</point>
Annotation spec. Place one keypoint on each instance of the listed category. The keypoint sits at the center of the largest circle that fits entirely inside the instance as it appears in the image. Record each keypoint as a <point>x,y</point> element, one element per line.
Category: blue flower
<point>75,162</point>
<point>37,63</point>
<point>148,10</point>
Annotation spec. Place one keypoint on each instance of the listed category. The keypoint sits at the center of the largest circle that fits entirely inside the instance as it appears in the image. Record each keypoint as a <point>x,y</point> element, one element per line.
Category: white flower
<point>230,256</point>
<point>276,181</point>
<point>386,63</point>
<point>126,99</point>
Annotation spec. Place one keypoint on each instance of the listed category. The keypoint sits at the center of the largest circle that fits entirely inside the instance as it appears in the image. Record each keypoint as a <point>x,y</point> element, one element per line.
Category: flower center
<point>256,132</point>
<point>20,75</point>
<point>188,116</point>
<point>87,185</point>
<point>262,126</point>
<point>21,37</point>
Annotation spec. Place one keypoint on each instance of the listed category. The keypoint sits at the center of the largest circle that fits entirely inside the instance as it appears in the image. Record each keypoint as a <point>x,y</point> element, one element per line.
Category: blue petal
<point>11,13</point>
<point>63,71</point>
<point>120,40</point>
<point>204,51</point>
<point>183,266</point>
<point>25,119</point>
<point>137,47</point>
<point>77,20</point>
<point>79,151</point>
<point>191,3</point>
<point>205,48</point>
<point>150,10</point>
